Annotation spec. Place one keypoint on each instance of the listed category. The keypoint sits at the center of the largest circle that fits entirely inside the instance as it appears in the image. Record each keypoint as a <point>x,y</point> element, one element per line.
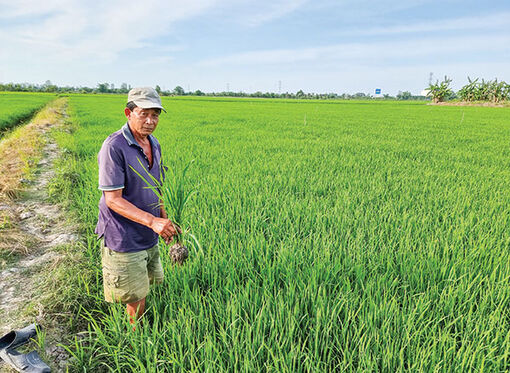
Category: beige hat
<point>146,98</point>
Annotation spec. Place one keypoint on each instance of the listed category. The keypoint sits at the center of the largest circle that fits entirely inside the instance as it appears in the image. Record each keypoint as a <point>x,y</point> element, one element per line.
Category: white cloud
<point>484,23</point>
<point>98,31</point>
<point>367,52</point>
<point>272,10</point>
<point>478,35</point>
<point>29,8</point>
<point>73,42</point>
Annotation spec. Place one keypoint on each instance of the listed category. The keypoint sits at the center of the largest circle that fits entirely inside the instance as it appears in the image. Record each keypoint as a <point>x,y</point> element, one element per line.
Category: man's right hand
<point>165,228</point>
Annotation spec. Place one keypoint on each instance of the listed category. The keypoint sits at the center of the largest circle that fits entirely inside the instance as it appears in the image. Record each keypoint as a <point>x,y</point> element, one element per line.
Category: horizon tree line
<point>440,91</point>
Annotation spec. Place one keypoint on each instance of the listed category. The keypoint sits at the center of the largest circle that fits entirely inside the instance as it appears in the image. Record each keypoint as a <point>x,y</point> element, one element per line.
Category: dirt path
<point>42,228</point>
<point>468,103</point>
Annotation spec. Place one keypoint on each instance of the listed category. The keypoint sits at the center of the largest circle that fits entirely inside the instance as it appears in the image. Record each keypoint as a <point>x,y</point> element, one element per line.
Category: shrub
<point>440,91</point>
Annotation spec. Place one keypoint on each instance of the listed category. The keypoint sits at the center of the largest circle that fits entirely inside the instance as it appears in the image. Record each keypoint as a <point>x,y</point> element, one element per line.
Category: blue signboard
<point>378,91</point>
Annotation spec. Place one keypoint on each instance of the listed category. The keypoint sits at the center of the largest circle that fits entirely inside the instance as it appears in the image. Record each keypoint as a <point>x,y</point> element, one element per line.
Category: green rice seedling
<point>375,238</point>
<point>15,108</point>
<point>173,196</point>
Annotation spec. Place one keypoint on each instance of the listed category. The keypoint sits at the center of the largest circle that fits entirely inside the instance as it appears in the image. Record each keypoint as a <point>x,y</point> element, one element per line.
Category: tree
<point>103,87</point>
<point>179,91</point>
<point>158,89</point>
<point>406,95</point>
<point>441,91</point>
<point>51,88</point>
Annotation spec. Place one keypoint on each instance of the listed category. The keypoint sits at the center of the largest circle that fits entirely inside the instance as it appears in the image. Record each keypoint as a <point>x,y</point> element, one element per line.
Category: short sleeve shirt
<point>118,156</point>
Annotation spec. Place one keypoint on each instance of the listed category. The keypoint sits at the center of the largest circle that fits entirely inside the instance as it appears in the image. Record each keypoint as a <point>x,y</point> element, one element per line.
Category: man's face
<point>142,121</point>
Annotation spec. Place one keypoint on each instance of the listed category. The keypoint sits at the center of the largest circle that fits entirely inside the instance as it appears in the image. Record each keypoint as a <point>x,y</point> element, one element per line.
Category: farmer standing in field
<point>130,215</point>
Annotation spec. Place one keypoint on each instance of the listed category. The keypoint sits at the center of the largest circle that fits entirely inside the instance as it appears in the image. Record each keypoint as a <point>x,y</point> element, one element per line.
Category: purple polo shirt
<point>119,151</point>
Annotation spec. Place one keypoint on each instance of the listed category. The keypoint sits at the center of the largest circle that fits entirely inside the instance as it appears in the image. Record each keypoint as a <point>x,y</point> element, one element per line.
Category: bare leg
<point>135,310</point>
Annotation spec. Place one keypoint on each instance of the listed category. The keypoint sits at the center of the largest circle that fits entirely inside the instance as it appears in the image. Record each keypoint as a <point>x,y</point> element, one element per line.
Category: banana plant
<point>440,91</point>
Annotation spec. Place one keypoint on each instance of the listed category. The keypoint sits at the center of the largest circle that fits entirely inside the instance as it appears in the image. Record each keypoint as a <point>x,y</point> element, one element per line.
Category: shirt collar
<point>128,135</point>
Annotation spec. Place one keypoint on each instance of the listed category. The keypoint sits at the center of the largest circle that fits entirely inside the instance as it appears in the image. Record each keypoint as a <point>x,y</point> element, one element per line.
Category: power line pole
<point>279,87</point>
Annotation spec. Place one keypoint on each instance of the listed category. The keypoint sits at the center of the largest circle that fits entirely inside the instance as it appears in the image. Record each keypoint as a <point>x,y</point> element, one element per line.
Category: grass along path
<point>34,233</point>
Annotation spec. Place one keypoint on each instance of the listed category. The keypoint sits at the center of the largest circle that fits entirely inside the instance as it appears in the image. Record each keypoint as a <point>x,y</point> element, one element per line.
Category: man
<point>130,215</point>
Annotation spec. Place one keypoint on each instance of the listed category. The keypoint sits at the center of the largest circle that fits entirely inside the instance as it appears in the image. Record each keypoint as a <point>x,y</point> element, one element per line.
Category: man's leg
<point>155,270</point>
<point>125,278</point>
<point>135,310</point>
<point>154,267</point>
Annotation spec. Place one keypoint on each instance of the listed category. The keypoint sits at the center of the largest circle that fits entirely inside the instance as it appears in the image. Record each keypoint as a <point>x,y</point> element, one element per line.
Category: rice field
<point>18,107</point>
<point>334,236</point>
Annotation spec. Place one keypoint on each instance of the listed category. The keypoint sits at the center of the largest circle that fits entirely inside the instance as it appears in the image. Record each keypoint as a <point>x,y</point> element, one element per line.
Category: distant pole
<point>228,87</point>
<point>431,75</point>
<point>279,86</point>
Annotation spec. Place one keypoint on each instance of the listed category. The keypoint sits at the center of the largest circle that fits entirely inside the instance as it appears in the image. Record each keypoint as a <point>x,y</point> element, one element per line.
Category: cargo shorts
<point>127,276</point>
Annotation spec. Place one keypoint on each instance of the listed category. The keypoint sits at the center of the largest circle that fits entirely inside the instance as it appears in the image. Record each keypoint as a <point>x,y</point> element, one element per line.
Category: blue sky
<point>317,46</point>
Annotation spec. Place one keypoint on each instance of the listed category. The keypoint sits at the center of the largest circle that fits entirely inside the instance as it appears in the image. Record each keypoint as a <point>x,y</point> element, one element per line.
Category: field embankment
<point>39,246</point>
<point>335,236</point>
<point>472,103</point>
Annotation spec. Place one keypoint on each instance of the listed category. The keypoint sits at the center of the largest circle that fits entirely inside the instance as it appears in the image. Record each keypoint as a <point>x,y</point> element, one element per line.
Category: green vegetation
<point>335,236</point>
<point>171,192</point>
<point>484,91</point>
<point>18,107</point>
<point>491,90</point>
<point>440,91</point>
<point>110,88</point>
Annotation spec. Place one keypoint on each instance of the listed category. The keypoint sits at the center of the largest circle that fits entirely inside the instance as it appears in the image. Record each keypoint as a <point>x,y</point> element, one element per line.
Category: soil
<point>466,103</point>
<point>43,228</point>
<point>179,253</point>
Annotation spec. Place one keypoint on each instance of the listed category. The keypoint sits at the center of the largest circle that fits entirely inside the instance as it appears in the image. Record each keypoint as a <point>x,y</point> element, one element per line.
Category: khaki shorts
<point>126,276</point>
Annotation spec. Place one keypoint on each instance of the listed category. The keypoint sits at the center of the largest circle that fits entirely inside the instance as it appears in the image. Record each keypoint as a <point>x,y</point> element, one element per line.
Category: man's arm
<point>121,206</point>
<point>162,212</point>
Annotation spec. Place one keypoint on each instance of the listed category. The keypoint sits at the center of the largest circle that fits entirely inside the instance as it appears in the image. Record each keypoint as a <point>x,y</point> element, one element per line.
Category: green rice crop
<point>357,236</point>
<point>18,107</point>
